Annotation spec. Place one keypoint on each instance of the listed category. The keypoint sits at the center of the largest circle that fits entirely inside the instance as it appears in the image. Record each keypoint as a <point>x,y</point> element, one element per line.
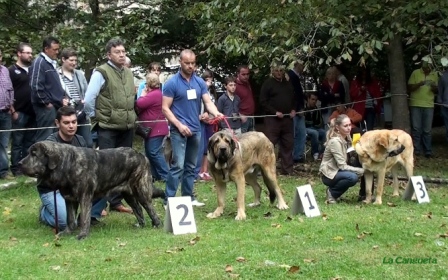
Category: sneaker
<point>330,198</point>
<point>316,156</point>
<point>197,203</point>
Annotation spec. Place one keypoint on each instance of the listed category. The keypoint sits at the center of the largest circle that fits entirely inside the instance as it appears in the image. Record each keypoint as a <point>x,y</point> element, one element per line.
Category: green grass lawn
<point>349,240</point>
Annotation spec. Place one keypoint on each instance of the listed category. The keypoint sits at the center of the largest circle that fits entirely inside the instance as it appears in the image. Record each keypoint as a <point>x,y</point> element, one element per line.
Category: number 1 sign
<point>179,216</point>
<point>305,202</point>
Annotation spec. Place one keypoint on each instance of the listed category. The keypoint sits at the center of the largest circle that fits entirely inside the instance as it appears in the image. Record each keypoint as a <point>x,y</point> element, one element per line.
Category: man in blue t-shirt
<point>181,105</point>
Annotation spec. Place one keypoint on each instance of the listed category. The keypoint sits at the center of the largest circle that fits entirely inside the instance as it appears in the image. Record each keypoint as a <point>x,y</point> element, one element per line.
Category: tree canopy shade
<point>325,32</point>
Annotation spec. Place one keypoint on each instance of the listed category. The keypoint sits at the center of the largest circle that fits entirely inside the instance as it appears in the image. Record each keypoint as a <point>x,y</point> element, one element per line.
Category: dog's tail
<point>158,193</point>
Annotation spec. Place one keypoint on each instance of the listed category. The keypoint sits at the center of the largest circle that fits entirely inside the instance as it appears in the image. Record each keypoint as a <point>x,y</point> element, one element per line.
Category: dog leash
<point>215,123</point>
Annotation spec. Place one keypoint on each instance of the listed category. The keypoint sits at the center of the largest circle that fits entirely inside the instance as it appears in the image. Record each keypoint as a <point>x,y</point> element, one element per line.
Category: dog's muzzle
<point>397,152</point>
<point>222,155</point>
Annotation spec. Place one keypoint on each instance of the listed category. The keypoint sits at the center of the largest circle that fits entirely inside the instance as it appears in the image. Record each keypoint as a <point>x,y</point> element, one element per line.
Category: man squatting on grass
<point>67,123</point>
<point>181,105</point>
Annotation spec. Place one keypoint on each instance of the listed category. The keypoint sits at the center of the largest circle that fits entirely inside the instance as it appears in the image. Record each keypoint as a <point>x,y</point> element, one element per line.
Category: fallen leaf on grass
<point>288,219</point>
<point>233,275</point>
<point>55,267</point>
<point>429,215</point>
<point>267,215</point>
<point>309,260</point>
<point>194,240</point>
<point>357,227</point>
<point>374,247</point>
<point>301,220</point>
<point>240,259</point>
<point>284,266</point>
<point>175,249</point>
<point>7,211</point>
<point>294,269</point>
<point>108,260</point>
<point>336,278</point>
<point>46,244</point>
<point>324,217</point>
<point>443,235</point>
<point>418,234</point>
<point>229,268</point>
<point>338,238</point>
<point>276,225</point>
<point>391,204</point>
<point>443,225</point>
<point>122,244</point>
<point>13,239</point>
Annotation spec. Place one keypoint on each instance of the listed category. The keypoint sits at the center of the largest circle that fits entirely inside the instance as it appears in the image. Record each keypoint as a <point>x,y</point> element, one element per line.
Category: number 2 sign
<point>305,202</point>
<point>179,216</point>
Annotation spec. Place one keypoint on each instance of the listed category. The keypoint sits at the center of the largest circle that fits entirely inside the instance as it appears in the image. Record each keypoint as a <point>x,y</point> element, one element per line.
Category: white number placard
<point>305,202</point>
<point>418,186</point>
<point>179,215</point>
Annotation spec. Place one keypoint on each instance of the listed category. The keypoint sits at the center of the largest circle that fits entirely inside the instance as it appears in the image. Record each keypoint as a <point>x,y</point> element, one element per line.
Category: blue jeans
<point>317,136</point>
<point>5,124</point>
<point>444,112</point>
<point>44,118</point>
<point>84,131</point>
<point>341,182</point>
<point>185,154</point>
<point>47,213</point>
<point>154,153</point>
<point>206,133</point>
<point>249,125</point>
<point>21,140</point>
<point>299,137</point>
<point>421,121</point>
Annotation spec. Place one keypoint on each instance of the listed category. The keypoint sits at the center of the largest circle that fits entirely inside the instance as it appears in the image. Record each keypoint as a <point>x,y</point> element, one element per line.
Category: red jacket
<point>150,108</point>
<point>357,94</point>
<point>244,91</point>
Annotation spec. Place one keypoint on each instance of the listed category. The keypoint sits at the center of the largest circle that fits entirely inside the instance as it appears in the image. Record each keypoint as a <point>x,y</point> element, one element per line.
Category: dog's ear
<point>383,140</point>
<point>52,155</point>
<point>210,153</point>
<point>233,145</point>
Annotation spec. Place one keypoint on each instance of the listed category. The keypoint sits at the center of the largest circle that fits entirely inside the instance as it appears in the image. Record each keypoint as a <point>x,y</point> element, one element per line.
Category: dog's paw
<point>396,194</point>
<point>378,201</point>
<point>367,201</point>
<point>240,217</point>
<point>255,204</point>
<point>282,206</point>
<point>213,215</point>
<point>81,236</point>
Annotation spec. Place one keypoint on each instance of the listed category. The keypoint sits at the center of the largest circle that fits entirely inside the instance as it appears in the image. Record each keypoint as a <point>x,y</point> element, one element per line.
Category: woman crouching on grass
<point>337,175</point>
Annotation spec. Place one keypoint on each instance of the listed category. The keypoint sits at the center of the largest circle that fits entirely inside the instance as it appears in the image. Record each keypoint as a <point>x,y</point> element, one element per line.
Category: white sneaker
<point>197,203</point>
<point>316,156</point>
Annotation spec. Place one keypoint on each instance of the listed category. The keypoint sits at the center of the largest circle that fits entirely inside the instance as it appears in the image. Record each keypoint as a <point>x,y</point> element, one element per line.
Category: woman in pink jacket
<point>149,105</point>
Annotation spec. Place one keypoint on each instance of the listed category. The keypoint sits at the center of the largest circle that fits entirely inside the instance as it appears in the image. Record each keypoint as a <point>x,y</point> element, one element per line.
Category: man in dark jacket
<point>277,98</point>
<point>295,76</point>
<point>47,94</point>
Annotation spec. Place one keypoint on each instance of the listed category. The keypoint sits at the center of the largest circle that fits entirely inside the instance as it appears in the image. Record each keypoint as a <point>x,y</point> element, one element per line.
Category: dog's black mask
<point>397,152</point>
<point>223,155</point>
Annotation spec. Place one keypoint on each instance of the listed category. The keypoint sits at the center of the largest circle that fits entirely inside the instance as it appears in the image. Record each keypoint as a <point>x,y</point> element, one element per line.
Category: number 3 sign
<point>305,202</point>
<point>179,216</point>
<point>420,190</point>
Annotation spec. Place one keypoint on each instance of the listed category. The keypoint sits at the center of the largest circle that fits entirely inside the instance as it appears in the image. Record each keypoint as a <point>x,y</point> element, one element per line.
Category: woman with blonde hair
<point>149,105</point>
<point>337,175</point>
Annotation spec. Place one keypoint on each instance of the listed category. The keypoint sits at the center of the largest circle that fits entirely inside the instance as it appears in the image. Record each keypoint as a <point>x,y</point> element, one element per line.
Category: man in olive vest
<point>109,101</point>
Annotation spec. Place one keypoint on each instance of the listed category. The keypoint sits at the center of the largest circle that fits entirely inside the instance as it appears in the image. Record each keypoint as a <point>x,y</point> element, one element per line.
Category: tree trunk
<point>398,86</point>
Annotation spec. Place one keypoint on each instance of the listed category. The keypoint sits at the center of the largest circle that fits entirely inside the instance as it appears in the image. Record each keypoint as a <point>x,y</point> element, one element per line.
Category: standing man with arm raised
<point>182,95</point>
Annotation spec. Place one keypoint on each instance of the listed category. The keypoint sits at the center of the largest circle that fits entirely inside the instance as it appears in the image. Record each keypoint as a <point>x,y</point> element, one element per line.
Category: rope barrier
<point>227,117</point>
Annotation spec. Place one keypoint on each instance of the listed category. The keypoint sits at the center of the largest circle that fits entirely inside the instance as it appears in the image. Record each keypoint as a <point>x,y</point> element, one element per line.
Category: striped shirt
<point>6,89</point>
<point>71,89</point>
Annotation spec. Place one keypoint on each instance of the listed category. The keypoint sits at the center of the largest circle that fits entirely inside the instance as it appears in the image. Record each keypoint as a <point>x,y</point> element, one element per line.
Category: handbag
<point>80,114</point>
<point>142,131</point>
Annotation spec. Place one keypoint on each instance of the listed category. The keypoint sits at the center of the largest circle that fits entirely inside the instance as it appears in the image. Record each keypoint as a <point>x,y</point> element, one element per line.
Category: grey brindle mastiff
<point>83,174</point>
